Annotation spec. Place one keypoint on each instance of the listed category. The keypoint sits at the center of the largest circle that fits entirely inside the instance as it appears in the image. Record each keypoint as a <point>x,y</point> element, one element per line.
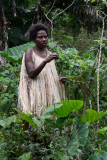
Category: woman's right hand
<point>51,57</point>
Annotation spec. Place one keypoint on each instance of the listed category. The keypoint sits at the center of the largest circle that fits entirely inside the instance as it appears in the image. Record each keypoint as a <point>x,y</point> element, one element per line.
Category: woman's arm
<point>30,68</point>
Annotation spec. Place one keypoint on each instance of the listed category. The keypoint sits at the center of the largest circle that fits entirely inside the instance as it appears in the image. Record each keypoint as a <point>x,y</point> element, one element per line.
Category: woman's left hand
<point>62,79</point>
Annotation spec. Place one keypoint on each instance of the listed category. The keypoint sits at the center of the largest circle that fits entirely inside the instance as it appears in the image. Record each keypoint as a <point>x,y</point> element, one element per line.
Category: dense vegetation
<point>80,130</point>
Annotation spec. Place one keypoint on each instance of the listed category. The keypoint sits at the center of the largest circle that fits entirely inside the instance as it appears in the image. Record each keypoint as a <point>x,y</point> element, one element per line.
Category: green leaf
<point>6,122</point>
<point>73,148</point>
<point>26,156</point>
<point>78,138</point>
<point>67,107</point>
<point>89,63</point>
<point>38,121</point>
<point>62,156</point>
<point>50,109</point>
<point>47,117</point>
<point>102,130</point>
<point>101,155</point>
<point>47,114</point>
<point>83,133</point>
<point>15,54</point>
<point>28,118</point>
<point>52,44</point>
<point>57,124</point>
<point>92,116</point>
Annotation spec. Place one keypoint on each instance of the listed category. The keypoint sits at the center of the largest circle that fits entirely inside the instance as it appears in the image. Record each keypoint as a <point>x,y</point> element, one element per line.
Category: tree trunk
<point>3,32</point>
<point>1,25</point>
<point>40,17</point>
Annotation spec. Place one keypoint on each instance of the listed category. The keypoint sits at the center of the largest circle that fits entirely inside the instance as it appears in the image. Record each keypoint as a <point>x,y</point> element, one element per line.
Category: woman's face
<point>41,39</point>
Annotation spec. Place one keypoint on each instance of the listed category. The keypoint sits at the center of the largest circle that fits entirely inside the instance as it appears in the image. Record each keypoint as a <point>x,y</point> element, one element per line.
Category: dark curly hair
<point>35,29</point>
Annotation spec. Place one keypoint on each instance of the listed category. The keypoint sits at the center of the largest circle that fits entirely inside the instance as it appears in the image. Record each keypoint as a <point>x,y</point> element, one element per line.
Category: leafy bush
<point>26,136</point>
<point>9,80</point>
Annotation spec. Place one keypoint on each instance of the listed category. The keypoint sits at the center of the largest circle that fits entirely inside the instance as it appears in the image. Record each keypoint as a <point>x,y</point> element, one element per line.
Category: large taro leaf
<point>50,110</point>
<point>83,133</point>
<point>74,146</point>
<point>49,118</point>
<point>78,138</point>
<point>92,116</point>
<point>67,107</point>
<point>101,155</point>
<point>15,54</point>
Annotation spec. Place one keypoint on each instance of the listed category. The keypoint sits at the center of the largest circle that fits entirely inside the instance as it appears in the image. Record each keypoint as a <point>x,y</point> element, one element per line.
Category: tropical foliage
<point>73,129</point>
<point>25,136</point>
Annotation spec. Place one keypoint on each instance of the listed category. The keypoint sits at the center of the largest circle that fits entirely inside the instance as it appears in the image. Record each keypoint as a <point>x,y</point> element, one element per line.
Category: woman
<point>39,83</point>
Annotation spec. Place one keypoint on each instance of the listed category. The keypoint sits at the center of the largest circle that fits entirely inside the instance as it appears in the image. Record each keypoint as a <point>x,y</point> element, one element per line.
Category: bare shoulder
<point>28,54</point>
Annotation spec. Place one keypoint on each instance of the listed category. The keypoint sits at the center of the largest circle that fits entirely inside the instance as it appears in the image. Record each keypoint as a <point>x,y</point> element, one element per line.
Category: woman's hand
<point>51,57</point>
<point>62,79</point>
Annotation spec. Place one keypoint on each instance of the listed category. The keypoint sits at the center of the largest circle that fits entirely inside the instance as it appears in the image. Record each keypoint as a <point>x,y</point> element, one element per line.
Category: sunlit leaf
<point>67,107</point>
<point>102,130</point>
<point>92,116</point>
